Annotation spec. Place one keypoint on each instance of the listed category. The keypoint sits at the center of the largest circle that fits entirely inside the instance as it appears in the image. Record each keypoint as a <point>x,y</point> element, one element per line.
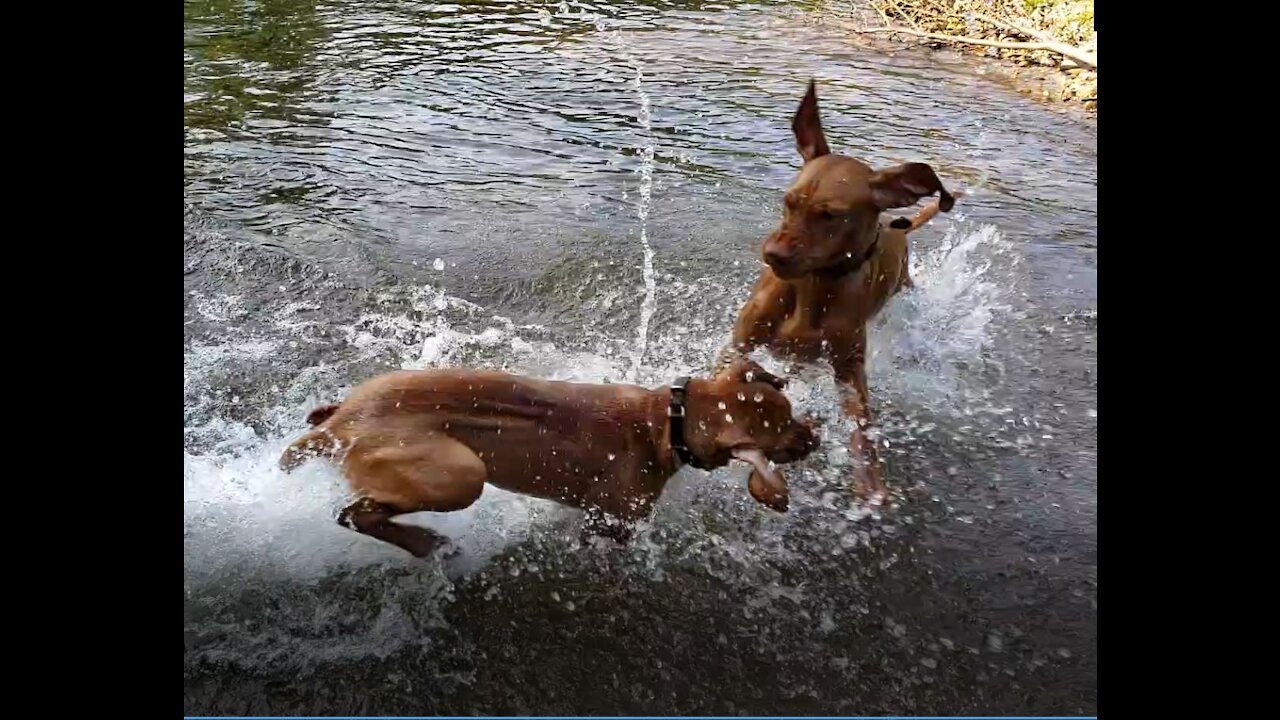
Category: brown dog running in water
<point>429,440</point>
<point>831,266</point>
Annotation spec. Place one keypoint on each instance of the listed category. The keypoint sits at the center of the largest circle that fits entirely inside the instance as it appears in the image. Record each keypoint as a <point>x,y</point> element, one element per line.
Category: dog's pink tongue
<point>765,484</point>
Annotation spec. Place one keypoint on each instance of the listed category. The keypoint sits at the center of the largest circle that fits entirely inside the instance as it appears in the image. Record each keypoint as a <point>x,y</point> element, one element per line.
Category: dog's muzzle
<point>800,441</point>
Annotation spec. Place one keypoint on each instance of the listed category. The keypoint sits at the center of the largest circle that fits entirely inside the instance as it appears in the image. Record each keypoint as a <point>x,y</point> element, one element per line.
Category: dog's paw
<point>424,543</point>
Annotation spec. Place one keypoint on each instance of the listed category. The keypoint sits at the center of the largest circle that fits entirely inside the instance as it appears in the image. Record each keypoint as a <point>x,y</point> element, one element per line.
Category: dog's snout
<point>800,441</point>
<point>808,438</point>
<point>780,254</point>
<point>777,257</point>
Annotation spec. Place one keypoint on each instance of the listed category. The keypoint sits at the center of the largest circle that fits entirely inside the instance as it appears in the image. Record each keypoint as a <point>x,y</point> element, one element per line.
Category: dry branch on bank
<point>1052,33</point>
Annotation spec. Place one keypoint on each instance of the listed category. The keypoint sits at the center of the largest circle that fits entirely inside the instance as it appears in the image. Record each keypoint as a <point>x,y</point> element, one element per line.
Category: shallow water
<point>578,191</point>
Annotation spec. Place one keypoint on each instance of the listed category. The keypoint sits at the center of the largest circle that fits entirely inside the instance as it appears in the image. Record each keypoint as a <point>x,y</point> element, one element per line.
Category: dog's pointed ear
<point>903,185</point>
<point>748,371</point>
<point>810,140</point>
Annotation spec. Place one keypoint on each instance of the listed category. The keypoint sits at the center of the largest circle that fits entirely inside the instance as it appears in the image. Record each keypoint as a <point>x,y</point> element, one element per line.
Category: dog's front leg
<point>855,400</point>
<point>730,354</point>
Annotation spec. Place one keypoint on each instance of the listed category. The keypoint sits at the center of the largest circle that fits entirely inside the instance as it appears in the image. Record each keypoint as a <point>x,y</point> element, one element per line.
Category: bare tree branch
<point>1079,56</point>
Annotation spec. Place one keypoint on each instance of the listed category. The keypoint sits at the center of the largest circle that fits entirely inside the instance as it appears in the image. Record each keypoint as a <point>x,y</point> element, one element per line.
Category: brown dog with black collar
<point>830,268</point>
<point>429,440</point>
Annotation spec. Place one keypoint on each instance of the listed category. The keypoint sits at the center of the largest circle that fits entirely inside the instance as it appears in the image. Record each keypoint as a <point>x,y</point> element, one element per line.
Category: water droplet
<point>751,375</point>
<point>722,405</point>
<point>728,417</point>
<point>612,456</point>
<point>742,397</point>
<point>759,397</point>
<point>702,424</point>
<point>766,423</point>
<point>438,264</point>
<point>995,643</point>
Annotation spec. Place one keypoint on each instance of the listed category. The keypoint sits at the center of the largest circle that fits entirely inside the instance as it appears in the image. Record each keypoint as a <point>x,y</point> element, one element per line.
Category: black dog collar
<point>851,265</point>
<point>676,413</point>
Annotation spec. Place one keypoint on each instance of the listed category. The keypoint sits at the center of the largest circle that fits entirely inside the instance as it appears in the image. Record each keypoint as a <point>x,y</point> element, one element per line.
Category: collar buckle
<point>677,411</point>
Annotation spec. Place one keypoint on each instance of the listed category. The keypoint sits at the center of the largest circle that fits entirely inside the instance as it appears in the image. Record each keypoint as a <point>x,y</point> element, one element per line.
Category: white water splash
<point>248,525</point>
<point>647,148</point>
<point>922,351</point>
<point>928,343</point>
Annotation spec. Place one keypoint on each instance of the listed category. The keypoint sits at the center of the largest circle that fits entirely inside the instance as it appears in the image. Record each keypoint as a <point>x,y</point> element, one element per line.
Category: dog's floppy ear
<point>745,370</point>
<point>806,125</point>
<point>903,185</point>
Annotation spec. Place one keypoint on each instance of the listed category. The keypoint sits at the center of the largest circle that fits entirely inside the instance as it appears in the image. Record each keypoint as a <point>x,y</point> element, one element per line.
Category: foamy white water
<point>239,510</point>
<point>647,148</point>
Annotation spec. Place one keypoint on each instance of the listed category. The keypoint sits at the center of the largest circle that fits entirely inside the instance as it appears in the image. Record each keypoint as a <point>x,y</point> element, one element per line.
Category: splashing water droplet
<point>438,264</point>
<point>759,397</point>
<point>728,417</point>
<point>612,456</point>
<point>742,397</point>
<point>702,424</point>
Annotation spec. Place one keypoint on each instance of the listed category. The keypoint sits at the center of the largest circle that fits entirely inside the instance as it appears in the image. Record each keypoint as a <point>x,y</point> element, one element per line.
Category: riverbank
<point>1047,47</point>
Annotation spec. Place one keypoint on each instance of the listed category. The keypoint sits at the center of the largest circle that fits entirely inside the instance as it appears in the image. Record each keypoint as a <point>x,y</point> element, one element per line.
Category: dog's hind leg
<point>370,517</point>
<point>436,473</point>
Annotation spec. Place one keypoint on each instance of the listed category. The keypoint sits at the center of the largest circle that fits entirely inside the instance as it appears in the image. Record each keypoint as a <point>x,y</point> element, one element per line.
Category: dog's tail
<point>943,203</point>
<point>316,443</point>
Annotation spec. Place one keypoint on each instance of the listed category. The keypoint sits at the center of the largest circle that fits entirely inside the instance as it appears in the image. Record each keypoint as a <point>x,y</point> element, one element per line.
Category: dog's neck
<point>819,292</point>
<point>656,412</point>
<point>851,264</point>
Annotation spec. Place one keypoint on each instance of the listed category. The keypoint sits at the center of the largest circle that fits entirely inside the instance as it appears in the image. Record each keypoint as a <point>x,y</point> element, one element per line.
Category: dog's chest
<point>822,324</point>
<point>799,337</point>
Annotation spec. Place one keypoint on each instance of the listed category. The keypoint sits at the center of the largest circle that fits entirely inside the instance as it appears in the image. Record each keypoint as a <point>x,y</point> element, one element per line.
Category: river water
<point>579,191</point>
